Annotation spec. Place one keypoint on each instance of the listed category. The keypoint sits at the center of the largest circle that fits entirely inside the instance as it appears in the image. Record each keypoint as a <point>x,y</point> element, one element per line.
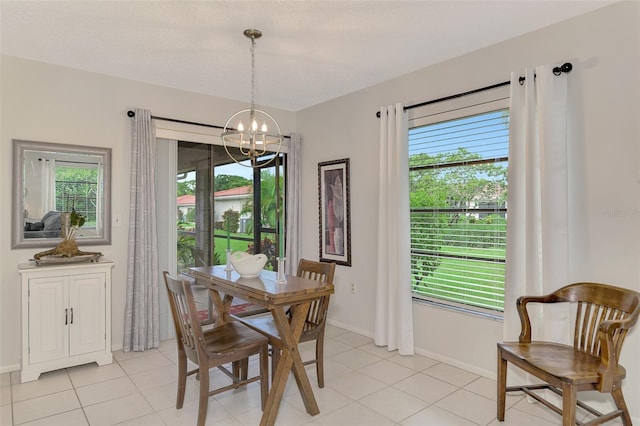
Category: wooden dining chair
<point>315,321</point>
<point>227,343</point>
<point>604,315</point>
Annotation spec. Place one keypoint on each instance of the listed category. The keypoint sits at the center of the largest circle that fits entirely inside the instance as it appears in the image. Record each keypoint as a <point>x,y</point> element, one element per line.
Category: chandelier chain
<point>253,66</point>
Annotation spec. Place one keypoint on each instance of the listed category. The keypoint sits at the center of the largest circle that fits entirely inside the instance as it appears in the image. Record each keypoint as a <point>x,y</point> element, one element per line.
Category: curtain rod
<point>175,120</point>
<point>566,67</point>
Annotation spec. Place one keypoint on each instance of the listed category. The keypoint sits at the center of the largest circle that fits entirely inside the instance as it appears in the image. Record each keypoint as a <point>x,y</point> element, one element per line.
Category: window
<point>458,194</point>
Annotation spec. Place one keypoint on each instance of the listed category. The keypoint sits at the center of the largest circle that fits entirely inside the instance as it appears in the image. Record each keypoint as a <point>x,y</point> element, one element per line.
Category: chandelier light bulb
<point>264,126</point>
<point>240,127</point>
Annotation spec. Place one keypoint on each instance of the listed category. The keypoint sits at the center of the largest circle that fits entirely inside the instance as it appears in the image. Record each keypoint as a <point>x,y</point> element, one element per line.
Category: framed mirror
<point>50,179</point>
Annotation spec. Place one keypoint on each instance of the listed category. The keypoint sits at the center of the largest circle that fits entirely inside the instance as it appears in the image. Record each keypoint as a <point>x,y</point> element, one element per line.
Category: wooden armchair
<point>228,343</point>
<point>604,315</point>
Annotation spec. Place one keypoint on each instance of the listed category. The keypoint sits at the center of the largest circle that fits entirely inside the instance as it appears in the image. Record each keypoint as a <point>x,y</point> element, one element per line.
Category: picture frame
<point>334,212</point>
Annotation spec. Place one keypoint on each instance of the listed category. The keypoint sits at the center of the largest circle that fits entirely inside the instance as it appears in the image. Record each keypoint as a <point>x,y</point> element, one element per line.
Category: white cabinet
<point>66,316</point>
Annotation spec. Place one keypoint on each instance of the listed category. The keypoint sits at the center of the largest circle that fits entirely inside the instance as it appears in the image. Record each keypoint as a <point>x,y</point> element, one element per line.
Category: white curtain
<point>394,311</point>
<point>292,226</point>
<point>48,172</point>
<point>538,200</point>
<point>141,322</point>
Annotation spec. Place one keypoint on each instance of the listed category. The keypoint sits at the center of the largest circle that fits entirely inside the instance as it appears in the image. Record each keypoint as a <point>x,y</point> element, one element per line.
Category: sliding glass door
<point>207,203</point>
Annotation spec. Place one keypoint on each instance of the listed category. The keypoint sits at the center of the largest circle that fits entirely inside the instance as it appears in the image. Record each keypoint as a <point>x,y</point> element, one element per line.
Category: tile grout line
<point>84,413</point>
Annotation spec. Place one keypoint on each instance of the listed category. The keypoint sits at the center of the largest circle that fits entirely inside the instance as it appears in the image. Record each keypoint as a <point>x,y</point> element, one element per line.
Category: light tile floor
<point>364,385</point>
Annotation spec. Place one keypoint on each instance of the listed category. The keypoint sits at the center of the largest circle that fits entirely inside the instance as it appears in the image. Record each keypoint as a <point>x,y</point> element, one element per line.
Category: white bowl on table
<point>248,265</point>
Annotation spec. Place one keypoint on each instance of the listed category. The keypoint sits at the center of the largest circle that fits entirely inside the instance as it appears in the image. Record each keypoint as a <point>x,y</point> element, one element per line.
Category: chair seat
<point>561,361</point>
<point>267,326</point>
<point>264,323</point>
<point>227,338</point>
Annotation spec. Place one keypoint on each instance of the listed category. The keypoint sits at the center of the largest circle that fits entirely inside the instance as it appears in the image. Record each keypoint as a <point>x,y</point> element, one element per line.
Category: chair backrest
<point>596,304</point>
<point>317,271</point>
<point>185,316</point>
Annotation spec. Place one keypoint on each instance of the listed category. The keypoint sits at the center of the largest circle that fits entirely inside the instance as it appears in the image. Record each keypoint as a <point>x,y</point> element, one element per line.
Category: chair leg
<point>275,357</point>
<point>569,400</point>
<point>244,368</point>
<point>264,376</point>
<point>502,385</point>
<point>182,379</point>
<point>236,369</point>
<point>204,395</point>
<point>616,393</point>
<point>320,360</point>
<point>240,369</point>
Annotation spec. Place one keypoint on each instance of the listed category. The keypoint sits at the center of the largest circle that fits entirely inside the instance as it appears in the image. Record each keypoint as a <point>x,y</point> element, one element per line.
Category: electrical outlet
<point>353,288</point>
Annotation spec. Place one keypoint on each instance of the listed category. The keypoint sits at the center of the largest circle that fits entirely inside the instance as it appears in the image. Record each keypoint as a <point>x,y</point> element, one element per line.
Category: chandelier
<point>260,135</point>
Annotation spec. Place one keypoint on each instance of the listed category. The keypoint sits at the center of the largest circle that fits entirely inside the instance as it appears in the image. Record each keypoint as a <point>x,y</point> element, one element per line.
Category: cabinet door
<point>87,313</point>
<point>47,330</point>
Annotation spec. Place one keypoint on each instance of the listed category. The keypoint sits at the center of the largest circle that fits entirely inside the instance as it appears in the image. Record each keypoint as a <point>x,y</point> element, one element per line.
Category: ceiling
<point>311,50</point>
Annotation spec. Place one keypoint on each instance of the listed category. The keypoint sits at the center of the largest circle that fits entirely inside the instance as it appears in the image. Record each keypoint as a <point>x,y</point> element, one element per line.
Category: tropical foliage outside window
<point>238,238</point>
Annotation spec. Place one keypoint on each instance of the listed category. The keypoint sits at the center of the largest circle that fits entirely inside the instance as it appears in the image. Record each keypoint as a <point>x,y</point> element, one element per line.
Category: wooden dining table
<point>264,291</point>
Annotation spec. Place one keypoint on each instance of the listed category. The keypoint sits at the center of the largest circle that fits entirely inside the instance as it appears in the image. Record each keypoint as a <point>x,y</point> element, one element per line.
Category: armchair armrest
<point>525,322</point>
<point>610,333</point>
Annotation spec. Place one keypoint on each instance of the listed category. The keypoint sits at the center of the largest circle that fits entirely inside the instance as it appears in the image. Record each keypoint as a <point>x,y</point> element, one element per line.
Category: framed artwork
<point>335,218</point>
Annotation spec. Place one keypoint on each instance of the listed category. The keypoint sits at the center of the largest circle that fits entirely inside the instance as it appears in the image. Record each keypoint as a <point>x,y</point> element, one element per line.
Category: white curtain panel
<point>48,172</point>
<point>394,310</point>
<point>141,321</point>
<point>292,226</point>
<point>538,220</point>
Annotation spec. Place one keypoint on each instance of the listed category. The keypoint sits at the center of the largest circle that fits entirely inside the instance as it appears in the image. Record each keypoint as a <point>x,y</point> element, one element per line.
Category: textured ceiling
<point>311,51</point>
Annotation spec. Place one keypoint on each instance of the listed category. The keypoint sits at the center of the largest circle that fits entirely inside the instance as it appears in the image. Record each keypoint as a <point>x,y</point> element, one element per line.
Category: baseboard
<point>459,364</point>
<point>350,328</point>
<point>9,368</point>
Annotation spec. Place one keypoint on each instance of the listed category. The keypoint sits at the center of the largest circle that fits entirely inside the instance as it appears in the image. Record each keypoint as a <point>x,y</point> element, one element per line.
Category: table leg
<point>221,306</point>
<point>289,359</point>
<point>299,373</point>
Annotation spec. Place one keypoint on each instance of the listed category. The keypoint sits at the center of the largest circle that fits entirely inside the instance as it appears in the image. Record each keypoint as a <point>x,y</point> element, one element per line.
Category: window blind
<point>458,193</point>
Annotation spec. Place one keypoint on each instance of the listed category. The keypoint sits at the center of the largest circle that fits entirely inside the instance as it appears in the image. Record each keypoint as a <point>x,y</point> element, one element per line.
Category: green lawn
<point>235,245</point>
<point>465,280</point>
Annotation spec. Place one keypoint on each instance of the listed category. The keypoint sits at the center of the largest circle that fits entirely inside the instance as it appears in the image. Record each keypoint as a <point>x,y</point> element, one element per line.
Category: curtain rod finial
<point>131,113</point>
<point>566,67</point>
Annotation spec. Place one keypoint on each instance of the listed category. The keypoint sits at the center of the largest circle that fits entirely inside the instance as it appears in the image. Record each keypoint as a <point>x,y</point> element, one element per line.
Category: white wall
<point>604,47</point>
<point>48,103</point>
